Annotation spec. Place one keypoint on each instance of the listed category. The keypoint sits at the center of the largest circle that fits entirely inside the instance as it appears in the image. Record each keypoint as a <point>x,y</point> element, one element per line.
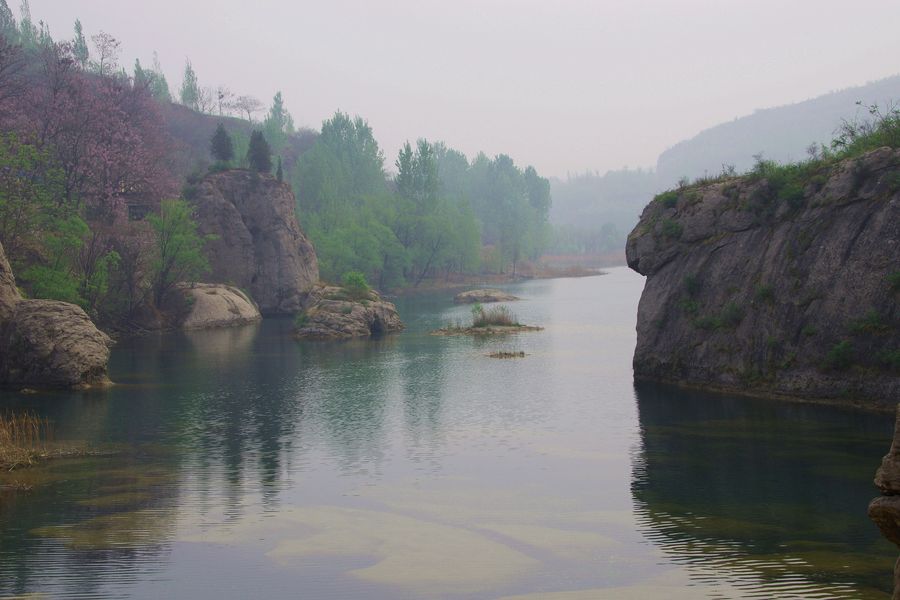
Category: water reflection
<point>748,491</point>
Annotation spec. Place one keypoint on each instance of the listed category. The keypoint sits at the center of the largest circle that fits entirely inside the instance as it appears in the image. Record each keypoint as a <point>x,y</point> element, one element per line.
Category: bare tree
<point>108,52</point>
<point>248,105</point>
<point>206,101</point>
<point>224,99</point>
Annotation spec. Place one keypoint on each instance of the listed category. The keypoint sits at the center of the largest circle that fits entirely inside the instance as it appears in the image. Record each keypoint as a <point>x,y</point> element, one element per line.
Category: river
<point>249,465</point>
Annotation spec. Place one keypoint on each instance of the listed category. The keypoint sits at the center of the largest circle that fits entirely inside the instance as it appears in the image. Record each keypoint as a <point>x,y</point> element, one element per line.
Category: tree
<point>221,147</point>
<point>190,88</point>
<point>223,99</point>
<point>79,46</point>
<point>8,27</point>
<point>279,172</point>
<point>248,105</point>
<point>28,33</point>
<point>179,248</point>
<point>278,124</point>
<point>108,52</point>
<point>156,81</point>
<point>259,155</point>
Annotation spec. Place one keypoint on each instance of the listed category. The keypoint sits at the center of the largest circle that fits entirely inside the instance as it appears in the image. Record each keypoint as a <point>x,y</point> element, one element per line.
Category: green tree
<point>278,124</point>
<point>157,83</point>
<point>220,145</point>
<point>28,33</point>
<point>8,27</point>
<point>190,88</point>
<point>259,155</point>
<point>179,248</point>
<point>279,172</point>
<point>140,75</point>
<point>79,46</point>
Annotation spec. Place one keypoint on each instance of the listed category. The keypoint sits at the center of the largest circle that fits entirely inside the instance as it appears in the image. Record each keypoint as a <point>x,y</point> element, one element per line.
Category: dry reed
<point>23,439</point>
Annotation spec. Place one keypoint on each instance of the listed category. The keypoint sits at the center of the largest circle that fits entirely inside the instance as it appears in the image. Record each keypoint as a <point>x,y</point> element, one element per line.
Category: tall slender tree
<point>278,124</point>
<point>8,27</point>
<point>190,88</point>
<point>79,46</point>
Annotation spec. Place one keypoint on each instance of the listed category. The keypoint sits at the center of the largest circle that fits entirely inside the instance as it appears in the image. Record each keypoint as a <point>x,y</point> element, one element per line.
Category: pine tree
<point>220,146</point>
<point>159,87</point>
<point>190,88</point>
<point>278,124</point>
<point>79,46</point>
<point>28,33</point>
<point>259,155</point>
<point>140,75</point>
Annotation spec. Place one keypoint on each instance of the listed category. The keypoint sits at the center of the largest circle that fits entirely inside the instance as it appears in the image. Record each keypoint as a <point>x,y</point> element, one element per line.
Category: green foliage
<point>890,359</point>
<point>764,293</point>
<point>873,322</point>
<point>893,280</point>
<point>730,317</point>
<point>220,146</point>
<point>259,155</point>
<point>356,285</point>
<point>497,316</point>
<point>667,199</point>
<point>301,319</point>
<point>839,357</point>
<point>278,124</point>
<point>79,45</point>
<point>190,88</point>
<point>671,229</point>
<point>179,248</point>
<point>809,330</point>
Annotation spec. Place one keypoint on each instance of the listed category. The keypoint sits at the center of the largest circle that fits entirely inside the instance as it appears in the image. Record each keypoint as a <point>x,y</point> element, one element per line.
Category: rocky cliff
<point>781,283</point>
<point>885,510</point>
<point>259,246</point>
<point>44,343</point>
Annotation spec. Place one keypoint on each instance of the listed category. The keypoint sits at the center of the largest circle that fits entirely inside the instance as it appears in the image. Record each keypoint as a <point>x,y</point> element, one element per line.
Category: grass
<point>507,354</point>
<point>497,316</point>
<point>23,438</point>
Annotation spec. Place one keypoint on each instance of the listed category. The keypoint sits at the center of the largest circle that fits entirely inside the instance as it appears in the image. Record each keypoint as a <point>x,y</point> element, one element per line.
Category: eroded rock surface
<point>333,315</point>
<point>259,245</point>
<point>757,288</point>
<point>885,510</point>
<point>45,343</point>
<point>483,297</point>
<point>217,305</point>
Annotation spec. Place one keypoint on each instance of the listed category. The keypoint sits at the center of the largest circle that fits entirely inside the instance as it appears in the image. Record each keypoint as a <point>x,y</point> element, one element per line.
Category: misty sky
<point>563,85</point>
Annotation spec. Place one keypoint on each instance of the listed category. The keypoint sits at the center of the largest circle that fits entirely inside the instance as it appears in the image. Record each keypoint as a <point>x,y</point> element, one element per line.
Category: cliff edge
<point>259,246</point>
<point>784,282</point>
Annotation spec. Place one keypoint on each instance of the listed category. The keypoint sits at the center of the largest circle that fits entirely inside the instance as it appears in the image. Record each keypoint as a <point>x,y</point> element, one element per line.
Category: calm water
<point>250,465</point>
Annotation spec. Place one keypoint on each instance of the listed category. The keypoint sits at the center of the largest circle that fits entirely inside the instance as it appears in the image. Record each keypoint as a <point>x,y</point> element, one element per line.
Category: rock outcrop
<point>774,287</point>
<point>259,246</point>
<point>333,315</point>
<point>45,343</point>
<point>885,510</point>
<point>216,305</point>
<point>483,297</point>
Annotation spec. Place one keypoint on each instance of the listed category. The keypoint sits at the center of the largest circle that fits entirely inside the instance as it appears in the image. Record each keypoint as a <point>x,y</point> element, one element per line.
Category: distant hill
<point>782,133</point>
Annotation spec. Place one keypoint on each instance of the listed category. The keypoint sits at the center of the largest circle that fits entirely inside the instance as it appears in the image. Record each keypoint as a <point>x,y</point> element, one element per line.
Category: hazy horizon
<point>567,87</point>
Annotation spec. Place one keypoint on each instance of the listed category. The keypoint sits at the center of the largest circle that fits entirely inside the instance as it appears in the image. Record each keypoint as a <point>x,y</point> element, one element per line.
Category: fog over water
<point>565,86</point>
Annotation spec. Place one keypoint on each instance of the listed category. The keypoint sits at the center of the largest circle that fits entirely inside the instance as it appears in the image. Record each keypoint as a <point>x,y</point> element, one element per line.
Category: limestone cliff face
<point>44,343</point>
<point>753,289</point>
<point>259,247</point>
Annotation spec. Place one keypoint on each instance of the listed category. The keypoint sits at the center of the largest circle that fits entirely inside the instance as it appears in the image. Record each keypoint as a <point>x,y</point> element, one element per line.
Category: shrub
<point>692,285</point>
<point>840,357</point>
<point>356,285</point>
<point>671,229</point>
<point>894,281</point>
<point>890,359</point>
<point>668,199</point>
<point>872,322</point>
<point>732,315</point>
<point>764,293</point>
<point>498,316</point>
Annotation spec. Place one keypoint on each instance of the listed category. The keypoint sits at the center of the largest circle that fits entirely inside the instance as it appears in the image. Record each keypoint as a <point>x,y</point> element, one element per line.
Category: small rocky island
<point>211,305</point>
<point>339,313</point>
<point>483,296</point>
<point>492,321</point>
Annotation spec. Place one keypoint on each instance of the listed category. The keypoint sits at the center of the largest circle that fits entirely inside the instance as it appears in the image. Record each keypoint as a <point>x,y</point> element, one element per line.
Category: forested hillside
<point>98,164</point>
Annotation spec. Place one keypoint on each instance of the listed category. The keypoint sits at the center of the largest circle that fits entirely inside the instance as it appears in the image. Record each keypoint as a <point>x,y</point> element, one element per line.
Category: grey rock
<point>332,315</point>
<point>747,292</point>
<point>259,246</point>
<point>217,305</point>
